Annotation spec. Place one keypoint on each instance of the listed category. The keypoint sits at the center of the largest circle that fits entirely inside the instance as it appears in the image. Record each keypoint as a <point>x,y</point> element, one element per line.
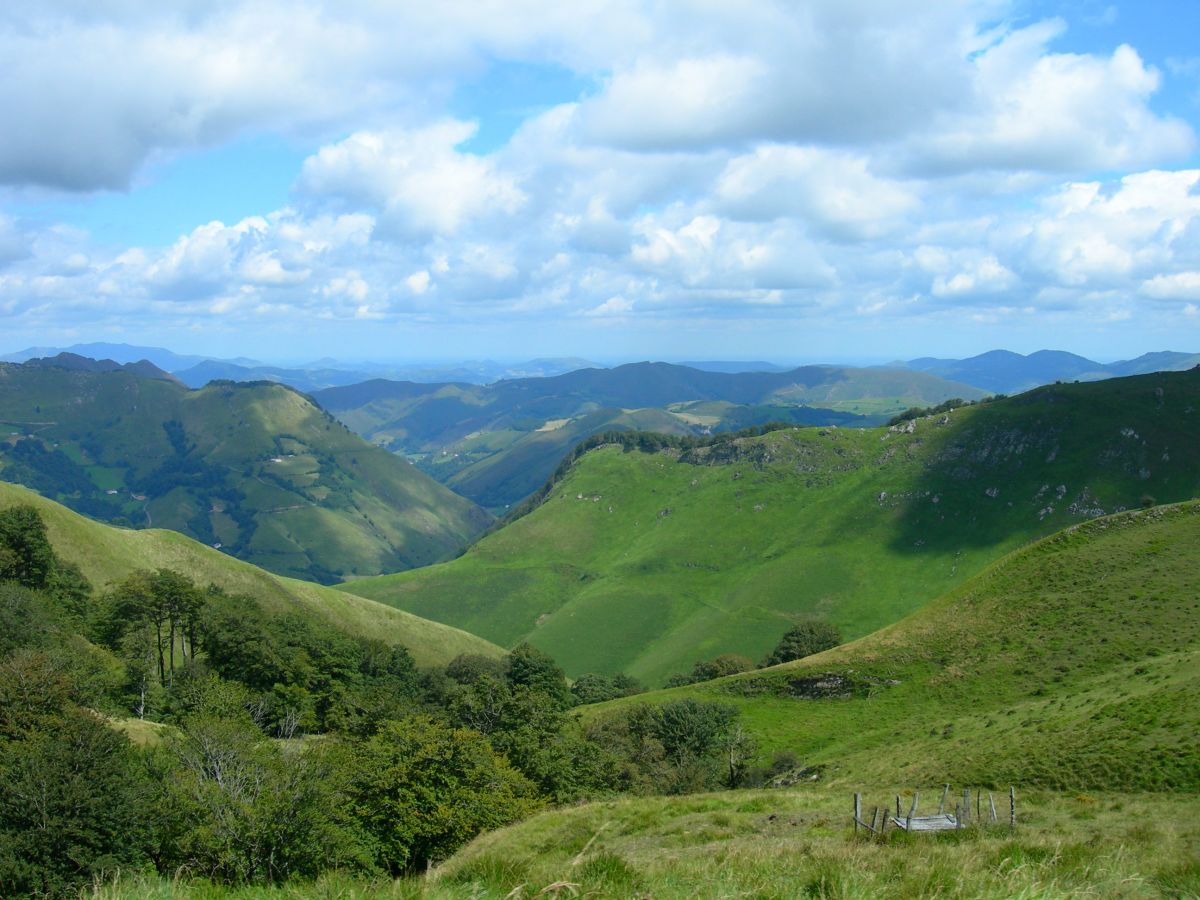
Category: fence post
<point>992,805</point>
<point>857,811</point>
<point>1012,807</point>
<point>945,794</point>
<point>912,809</point>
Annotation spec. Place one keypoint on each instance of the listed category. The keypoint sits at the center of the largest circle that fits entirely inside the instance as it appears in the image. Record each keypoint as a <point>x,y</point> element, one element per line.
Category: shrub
<point>803,640</point>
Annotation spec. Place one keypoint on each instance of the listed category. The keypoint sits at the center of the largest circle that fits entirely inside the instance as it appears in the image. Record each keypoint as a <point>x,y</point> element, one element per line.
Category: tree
<point>73,807</point>
<point>468,668</point>
<point>25,552</point>
<point>248,812</point>
<point>593,688</point>
<point>805,639</point>
<point>708,669</point>
<point>421,789</point>
<point>531,668</point>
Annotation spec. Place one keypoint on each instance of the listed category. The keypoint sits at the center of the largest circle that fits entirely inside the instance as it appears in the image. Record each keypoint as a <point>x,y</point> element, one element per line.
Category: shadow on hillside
<point>1054,456</point>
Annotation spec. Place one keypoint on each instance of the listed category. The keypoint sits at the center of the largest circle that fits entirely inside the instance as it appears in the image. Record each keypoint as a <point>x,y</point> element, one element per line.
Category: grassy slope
<point>1072,663</point>
<point>106,554</point>
<point>798,843</point>
<point>255,467</point>
<point>676,562</point>
<point>779,845</point>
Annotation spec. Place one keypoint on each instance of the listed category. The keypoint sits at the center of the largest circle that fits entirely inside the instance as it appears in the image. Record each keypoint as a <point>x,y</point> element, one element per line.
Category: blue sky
<point>838,181</point>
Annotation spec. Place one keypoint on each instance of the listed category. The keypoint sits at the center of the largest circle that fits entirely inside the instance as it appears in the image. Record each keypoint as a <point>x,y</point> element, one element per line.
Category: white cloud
<point>1179,286</point>
<point>835,192</point>
<point>984,276</point>
<point>1087,234</point>
<point>1053,112</point>
<point>416,178</point>
<point>834,161</point>
<point>613,306</point>
<point>418,282</point>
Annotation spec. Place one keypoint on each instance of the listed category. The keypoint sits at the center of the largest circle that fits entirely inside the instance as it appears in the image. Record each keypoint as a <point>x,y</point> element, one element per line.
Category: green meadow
<point>647,562</point>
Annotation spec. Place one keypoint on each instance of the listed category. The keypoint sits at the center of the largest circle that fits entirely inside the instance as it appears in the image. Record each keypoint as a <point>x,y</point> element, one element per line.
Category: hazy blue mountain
<point>306,380</point>
<point>1163,361</point>
<point>1005,372</point>
<point>734,367</point>
<point>166,360</point>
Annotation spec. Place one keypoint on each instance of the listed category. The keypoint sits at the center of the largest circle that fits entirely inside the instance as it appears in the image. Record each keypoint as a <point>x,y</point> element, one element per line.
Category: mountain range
<point>497,443</point>
<point>1002,371</point>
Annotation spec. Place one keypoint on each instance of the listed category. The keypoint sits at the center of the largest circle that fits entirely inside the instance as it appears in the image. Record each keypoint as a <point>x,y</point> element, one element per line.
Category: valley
<point>646,562</point>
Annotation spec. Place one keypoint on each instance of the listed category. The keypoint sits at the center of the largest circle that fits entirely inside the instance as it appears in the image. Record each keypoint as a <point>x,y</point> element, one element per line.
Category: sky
<point>830,180</point>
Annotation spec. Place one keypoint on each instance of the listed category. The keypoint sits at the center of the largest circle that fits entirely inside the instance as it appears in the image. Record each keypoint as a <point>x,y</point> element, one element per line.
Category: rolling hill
<point>647,562</point>
<point>106,554</point>
<point>1073,663</point>
<point>495,444</point>
<point>1070,669</point>
<point>257,469</point>
<point>1002,371</point>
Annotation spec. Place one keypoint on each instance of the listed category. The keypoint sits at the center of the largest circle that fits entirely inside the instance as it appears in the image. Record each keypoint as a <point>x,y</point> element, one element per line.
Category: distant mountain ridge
<point>75,363</point>
<point>1005,372</point>
<point>498,443</point>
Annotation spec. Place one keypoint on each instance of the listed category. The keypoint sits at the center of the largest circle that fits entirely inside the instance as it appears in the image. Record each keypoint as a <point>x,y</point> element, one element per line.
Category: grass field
<point>786,844</point>
<point>106,554</point>
<point>645,563</point>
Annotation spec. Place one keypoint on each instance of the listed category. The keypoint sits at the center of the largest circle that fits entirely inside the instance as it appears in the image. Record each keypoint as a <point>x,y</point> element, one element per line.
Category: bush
<point>803,640</point>
<point>421,789</point>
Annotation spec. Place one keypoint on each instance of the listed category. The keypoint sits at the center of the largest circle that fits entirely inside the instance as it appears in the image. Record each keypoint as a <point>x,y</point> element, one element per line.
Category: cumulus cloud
<point>835,192</point>
<point>1053,112</point>
<point>1091,235</point>
<point>833,161</point>
<point>1178,286</point>
<point>417,179</point>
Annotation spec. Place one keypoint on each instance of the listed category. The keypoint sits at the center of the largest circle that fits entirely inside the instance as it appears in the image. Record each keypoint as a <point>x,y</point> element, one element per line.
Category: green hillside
<point>1070,669</point>
<point>254,468</point>
<point>106,554</point>
<point>1072,663</point>
<point>645,563</point>
<point>497,443</point>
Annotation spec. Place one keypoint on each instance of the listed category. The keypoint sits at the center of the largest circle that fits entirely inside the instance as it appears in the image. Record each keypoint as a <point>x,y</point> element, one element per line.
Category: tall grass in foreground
<point>783,845</point>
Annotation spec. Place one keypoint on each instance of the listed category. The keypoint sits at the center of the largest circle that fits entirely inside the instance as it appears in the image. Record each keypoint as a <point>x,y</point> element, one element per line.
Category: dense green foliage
<point>644,562</point>
<point>278,747</point>
<point>257,469</point>
<point>803,640</point>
